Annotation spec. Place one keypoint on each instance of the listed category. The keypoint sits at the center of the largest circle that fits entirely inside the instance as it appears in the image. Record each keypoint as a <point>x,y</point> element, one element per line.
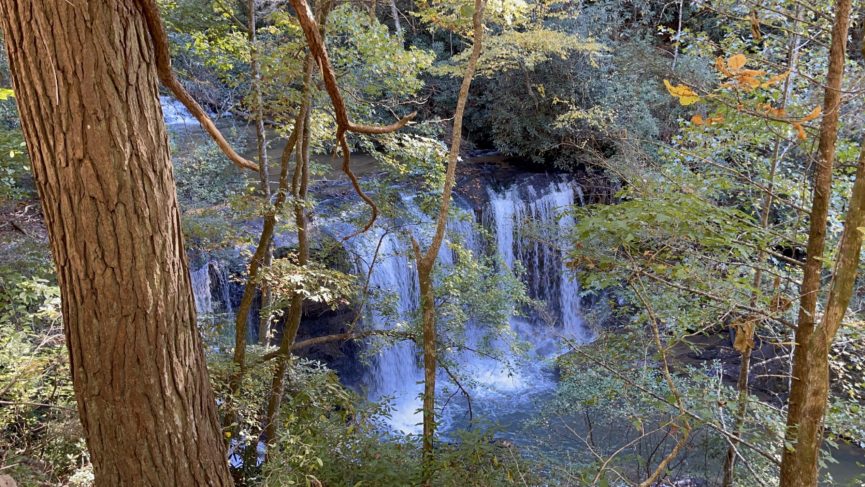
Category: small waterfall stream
<point>211,289</point>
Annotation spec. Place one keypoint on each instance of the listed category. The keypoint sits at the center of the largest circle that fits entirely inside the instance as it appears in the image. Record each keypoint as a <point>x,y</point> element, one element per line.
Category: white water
<point>395,371</point>
<point>529,226</point>
<point>211,289</point>
<point>175,113</point>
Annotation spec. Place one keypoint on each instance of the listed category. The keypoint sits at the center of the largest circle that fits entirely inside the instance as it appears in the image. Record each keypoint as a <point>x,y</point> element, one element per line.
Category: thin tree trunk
<point>86,85</point>
<point>394,12</point>
<point>295,309</point>
<point>426,260</point>
<point>745,365</point>
<point>799,465</point>
<point>263,173</point>
<point>803,461</point>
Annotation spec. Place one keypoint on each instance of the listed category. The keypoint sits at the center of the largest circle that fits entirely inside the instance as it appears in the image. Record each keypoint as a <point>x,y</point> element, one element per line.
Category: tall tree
<point>85,76</point>
<point>807,400</point>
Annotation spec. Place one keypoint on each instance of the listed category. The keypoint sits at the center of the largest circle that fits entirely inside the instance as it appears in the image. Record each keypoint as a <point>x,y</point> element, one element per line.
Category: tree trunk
<point>768,198</point>
<point>426,260</point>
<point>263,173</point>
<point>802,462</point>
<point>799,465</point>
<point>86,86</point>
<point>299,185</point>
<point>394,12</point>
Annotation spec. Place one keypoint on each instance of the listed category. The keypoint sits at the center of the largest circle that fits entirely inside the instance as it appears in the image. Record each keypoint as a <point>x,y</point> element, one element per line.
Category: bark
<point>241,320</point>
<point>799,465</point>
<point>802,462</point>
<point>394,12</point>
<point>86,79</point>
<point>162,57</point>
<point>426,260</point>
<point>295,309</point>
<point>315,39</point>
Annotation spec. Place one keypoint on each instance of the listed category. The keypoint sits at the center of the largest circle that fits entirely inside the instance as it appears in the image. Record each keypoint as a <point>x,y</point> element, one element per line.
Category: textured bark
<point>799,465</point>
<point>86,86</point>
<point>802,462</point>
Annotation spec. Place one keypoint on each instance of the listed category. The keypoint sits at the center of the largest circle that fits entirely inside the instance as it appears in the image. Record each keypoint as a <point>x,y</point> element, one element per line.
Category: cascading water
<point>175,113</point>
<point>211,289</point>
<point>529,222</point>
<point>395,372</point>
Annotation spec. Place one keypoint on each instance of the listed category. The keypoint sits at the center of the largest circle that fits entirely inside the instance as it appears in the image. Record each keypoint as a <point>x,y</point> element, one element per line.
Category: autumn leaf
<point>686,95</point>
<point>772,111</point>
<point>721,66</point>
<point>815,113</point>
<point>775,79</point>
<point>748,82</point>
<point>737,62</point>
<point>697,119</point>
<point>5,93</point>
<point>800,131</point>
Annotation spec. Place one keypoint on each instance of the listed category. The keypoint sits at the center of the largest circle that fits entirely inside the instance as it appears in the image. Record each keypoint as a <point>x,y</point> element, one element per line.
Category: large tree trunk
<point>799,465</point>
<point>86,86</point>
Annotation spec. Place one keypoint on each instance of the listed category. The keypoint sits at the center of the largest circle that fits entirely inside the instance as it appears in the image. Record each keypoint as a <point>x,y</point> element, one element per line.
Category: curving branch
<point>344,125</point>
<point>167,77</point>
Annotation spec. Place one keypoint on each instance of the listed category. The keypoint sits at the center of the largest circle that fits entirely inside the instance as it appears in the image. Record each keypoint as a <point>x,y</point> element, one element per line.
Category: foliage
<point>332,437</point>
<point>40,437</point>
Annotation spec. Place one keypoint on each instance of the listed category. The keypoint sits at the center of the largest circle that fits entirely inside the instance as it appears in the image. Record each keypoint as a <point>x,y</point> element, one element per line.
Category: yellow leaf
<point>686,95</point>
<point>697,119</point>
<point>736,62</point>
<point>5,93</point>
<point>811,116</point>
<point>800,131</point>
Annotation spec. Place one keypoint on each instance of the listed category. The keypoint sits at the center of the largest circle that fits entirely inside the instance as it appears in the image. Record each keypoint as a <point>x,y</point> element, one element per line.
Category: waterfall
<point>529,223</point>
<point>201,290</point>
<point>396,372</point>
<point>211,289</point>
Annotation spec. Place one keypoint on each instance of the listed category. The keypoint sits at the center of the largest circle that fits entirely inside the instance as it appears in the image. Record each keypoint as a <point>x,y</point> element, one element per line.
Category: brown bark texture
<point>86,84</point>
<point>799,465</point>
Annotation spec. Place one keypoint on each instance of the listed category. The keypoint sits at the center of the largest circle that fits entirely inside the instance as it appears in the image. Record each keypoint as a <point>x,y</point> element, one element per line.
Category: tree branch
<point>166,75</point>
<point>319,51</point>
